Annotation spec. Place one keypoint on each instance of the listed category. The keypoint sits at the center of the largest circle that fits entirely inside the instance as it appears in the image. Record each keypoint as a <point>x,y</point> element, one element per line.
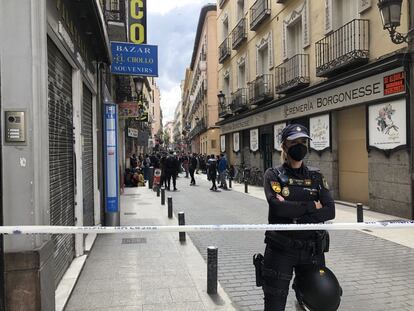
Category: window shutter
<point>284,43</point>
<point>305,24</point>
<point>270,45</point>
<point>328,16</point>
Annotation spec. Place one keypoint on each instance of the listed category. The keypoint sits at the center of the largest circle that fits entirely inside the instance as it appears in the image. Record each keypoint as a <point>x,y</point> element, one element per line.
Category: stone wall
<point>389,183</point>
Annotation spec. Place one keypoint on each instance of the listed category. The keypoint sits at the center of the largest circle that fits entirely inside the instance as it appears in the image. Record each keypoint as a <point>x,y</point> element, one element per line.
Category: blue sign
<point>134,59</point>
<point>111,159</point>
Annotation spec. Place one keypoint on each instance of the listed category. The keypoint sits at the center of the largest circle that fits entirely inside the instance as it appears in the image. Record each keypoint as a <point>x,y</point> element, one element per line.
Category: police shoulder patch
<point>325,183</point>
<point>276,186</point>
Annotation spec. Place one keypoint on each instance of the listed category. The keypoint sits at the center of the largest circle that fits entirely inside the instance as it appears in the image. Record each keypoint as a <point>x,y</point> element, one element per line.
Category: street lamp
<point>390,11</point>
<point>139,85</point>
<point>221,98</point>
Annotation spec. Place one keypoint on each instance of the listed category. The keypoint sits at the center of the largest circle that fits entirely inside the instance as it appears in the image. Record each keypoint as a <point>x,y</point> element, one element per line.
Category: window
<point>345,11</point>
<point>213,144</point>
<point>294,40</point>
<point>241,79</point>
<point>225,28</point>
<point>226,86</point>
<point>263,60</point>
<point>240,9</point>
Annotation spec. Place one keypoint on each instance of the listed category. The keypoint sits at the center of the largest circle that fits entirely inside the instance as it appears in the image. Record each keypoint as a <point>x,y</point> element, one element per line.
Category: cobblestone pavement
<point>375,274</point>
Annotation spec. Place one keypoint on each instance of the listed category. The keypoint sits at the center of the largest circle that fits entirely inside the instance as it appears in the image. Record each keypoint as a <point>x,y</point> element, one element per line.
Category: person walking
<point>222,170</point>
<point>172,167</point>
<point>192,168</point>
<point>298,194</point>
<point>212,171</point>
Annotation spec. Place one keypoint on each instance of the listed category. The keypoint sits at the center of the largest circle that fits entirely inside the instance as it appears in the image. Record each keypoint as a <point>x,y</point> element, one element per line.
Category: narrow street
<point>375,274</point>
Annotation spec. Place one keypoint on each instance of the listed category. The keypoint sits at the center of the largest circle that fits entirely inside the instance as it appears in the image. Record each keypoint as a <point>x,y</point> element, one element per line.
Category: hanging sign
<point>222,143</point>
<point>111,159</point>
<point>278,135</point>
<point>236,142</point>
<point>254,140</point>
<point>128,110</point>
<point>320,132</point>
<point>132,132</point>
<point>388,125</point>
<point>134,59</point>
<point>137,21</point>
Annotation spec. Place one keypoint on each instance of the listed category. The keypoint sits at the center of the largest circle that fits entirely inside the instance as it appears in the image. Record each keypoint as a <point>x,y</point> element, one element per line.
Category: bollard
<point>162,196</point>
<point>181,222</point>
<point>230,179</point>
<point>212,257</point>
<point>158,191</point>
<point>170,207</point>
<point>360,213</point>
<point>151,177</point>
<point>246,187</point>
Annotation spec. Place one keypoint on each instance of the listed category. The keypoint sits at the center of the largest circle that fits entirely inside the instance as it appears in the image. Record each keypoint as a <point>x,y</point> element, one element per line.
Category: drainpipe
<point>411,96</point>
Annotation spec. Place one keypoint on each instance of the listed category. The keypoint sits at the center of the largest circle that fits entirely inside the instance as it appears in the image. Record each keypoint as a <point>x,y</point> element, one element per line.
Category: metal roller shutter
<point>61,156</point>
<point>87,158</point>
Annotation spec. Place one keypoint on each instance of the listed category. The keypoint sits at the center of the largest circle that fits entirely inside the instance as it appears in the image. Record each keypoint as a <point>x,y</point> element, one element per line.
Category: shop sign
<point>134,59</point>
<point>137,21</point>
<point>277,130</point>
<point>132,132</point>
<point>394,84</point>
<point>387,125</point>
<point>254,140</point>
<point>222,143</point>
<point>236,142</point>
<point>319,128</point>
<point>128,110</point>
<point>111,159</point>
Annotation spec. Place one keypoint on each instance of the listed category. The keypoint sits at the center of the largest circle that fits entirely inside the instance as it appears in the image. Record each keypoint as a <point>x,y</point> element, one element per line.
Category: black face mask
<point>298,152</point>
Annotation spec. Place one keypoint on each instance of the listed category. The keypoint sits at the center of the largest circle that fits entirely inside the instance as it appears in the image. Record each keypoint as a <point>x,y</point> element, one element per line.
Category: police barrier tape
<point>399,224</point>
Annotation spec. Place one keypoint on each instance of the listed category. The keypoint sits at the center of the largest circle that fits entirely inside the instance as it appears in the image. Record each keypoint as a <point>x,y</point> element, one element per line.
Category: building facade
<point>330,66</point>
<point>53,69</point>
<point>200,104</point>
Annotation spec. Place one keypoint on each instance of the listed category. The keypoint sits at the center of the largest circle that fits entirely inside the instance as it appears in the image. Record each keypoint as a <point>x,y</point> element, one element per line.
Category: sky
<point>172,25</point>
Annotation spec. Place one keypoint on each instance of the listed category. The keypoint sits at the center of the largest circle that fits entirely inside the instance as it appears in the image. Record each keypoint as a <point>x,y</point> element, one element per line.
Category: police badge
<point>276,186</point>
<point>285,192</point>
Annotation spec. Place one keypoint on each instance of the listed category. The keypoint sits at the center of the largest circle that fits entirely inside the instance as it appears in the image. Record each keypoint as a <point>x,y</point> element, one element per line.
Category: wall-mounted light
<point>390,11</point>
<point>139,84</point>
<point>221,98</point>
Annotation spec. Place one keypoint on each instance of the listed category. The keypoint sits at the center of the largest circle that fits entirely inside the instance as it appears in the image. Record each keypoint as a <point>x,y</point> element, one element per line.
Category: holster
<point>258,264</point>
<point>322,242</point>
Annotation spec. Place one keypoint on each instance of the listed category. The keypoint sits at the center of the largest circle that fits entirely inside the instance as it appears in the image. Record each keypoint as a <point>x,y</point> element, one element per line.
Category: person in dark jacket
<point>172,166</point>
<point>192,168</point>
<point>212,171</point>
<point>298,194</point>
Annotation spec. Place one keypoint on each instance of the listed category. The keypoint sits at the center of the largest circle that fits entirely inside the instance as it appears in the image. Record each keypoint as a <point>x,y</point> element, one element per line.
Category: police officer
<point>296,194</point>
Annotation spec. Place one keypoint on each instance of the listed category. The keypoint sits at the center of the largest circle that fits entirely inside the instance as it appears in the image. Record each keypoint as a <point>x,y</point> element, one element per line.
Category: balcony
<point>342,49</point>
<point>259,12</point>
<point>261,90</point>
<point>239,34</point>
<point>221,3</point>
<point>115,12</point>
<point>293,74</point>
<point>198,129</point>
<point>239,101</point>
<point>224,110</point>
<point>224,50</point>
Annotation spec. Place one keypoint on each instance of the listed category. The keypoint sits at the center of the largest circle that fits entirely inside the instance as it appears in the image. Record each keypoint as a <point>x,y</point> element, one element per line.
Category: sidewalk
<point>147,271</point>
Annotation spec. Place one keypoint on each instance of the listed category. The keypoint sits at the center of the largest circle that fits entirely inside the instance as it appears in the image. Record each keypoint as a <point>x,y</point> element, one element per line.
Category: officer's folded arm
<point>327,212</point>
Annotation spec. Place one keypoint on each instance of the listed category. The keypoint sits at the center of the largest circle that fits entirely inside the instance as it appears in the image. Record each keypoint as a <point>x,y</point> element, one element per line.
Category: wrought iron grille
<point>199,128</point>
<point>239,34</point>
<point>292,74</point>
<point>115,10</point>
<point>224,50</point>
<point>261,89</point>
<point>259,11</point>
<point>224,109</point>
<point>239,100</point>
<point>345,47</point>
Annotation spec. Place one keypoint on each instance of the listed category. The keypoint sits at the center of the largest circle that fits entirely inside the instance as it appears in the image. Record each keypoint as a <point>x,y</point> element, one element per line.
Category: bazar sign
<point>365,90</point>
<point>134,59</point>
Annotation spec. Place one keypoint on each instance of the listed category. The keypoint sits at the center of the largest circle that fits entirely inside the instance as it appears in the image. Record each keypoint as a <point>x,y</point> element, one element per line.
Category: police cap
<point>294,131</point>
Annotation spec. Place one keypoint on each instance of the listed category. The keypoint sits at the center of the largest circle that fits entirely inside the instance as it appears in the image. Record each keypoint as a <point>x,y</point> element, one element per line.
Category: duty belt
<point>281,240</point>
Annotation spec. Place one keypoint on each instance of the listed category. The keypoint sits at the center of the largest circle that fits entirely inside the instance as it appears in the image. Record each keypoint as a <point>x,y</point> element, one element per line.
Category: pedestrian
<point>192,168</point>
<point>212,171</point>
<point>185,162</point>
<point>222,170</point>
<point>298,194</point>
<point>172,166</point>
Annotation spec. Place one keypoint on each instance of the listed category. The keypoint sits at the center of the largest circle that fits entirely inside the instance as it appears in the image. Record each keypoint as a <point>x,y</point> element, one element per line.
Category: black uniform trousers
<point>279,264</point>
<point>170,175</point>
<point>192,170</point>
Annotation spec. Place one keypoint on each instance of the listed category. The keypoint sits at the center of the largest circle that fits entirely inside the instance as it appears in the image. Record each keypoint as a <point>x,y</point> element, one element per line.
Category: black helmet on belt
<point>318,289</point>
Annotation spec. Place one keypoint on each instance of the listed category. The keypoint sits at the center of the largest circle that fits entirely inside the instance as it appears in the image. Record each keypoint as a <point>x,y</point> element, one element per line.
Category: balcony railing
<point>344,48</point>
<point>239,34</point>
<point>224,110</point>
<point>293,74</point>
<point>115,11</point>
<point>259,12</point>
<point>224,50</point>
<point>239,101</point>
<point>221,3</point>
<point>199,128</point>
<point>261,90</point>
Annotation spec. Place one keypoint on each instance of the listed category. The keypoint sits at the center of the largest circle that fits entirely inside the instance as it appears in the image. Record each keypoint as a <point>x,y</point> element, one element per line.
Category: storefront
<point>360,130</point>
